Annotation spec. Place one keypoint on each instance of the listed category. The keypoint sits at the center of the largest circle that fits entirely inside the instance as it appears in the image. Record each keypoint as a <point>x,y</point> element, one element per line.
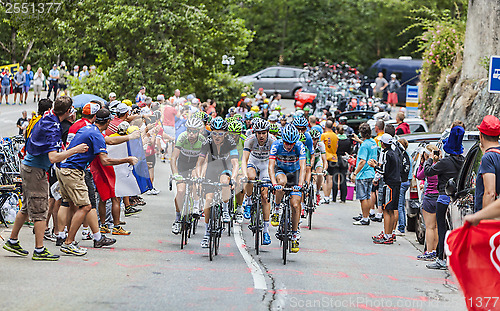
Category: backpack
<point>404,162</point>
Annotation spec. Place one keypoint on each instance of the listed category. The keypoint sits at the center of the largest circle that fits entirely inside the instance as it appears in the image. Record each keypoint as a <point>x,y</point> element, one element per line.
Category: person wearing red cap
<point>488,176</point>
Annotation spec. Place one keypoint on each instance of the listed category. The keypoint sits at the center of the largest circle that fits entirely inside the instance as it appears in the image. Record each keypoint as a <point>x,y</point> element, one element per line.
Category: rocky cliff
<point>468,99</point>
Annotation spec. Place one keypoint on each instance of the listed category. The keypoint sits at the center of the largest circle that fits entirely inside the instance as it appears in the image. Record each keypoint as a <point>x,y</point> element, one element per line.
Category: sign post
<point>412,101</point>
<point>494,75</point>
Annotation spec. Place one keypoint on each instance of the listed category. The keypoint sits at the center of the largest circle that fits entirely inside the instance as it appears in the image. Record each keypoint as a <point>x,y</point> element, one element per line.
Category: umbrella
<point>80,100</point>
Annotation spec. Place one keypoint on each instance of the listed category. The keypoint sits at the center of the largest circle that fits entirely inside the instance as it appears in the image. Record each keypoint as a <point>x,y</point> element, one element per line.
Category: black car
<point>356,118</point>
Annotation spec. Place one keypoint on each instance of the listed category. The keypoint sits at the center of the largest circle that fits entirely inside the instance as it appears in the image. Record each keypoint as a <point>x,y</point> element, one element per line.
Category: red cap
<point>90,109</point>
<point>261,89</point>
<point>490,126</point>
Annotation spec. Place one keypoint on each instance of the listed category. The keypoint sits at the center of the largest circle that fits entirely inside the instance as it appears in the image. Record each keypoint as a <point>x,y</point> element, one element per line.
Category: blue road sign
<point>494,75</point>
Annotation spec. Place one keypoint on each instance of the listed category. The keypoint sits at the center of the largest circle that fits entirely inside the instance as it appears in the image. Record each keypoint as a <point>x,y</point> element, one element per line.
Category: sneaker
<point>139,201</point>
<point>399,233</point>
<point>325,200</point>
<point>394,237</point>
<point>86,235</point>
<point>105,229</point>
<point>439,264</point>
<point>427,256</point>
<point>129,211</point>
<point>266,239</point>
<point>318,199</point>
<point>60,241</point>
<point>361,222</point>
<point>15,248</point>
<point>73,249</point>
<point>275,219</point>
<point>381,234</point>
<point>375,218</point>
<point>204,242</point>
<point>225,217</point>
<point>48,235</point>
<point>239,218</point>
<point>358,218</point>
<point>176,227</point>
<point>295,246</point>
<point>153,192</point>
<point>383,240</point>
<point>118,230</point>
<point>44,255</point>
<point>246,212</point>
<point>104,241</point>
<point>303,213</point>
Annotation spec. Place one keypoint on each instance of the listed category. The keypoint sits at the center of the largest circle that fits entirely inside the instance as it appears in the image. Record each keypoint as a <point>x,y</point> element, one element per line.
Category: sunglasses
<point>220,134</point>
<point>301,128</point>
<point>191,131</point>
<point>288,145</point>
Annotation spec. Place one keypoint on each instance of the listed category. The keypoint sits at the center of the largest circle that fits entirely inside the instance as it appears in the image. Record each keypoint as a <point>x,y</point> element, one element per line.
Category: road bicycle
<point>188,219</point>
<point>284,233</point>
<point>311,202</point>
<point>257,219</point>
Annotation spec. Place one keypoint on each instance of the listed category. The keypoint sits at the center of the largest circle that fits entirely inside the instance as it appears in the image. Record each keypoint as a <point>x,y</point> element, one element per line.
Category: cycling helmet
<point>218,124</point>
<point>202,115</point>
<point>289,134</point>
<point>315,134</point>
<point>273,117</point>
<point>248,116</point>
<point>255,108</point>
<point>232,110</point>
<point>235,127</point>
<point>302,137</point>
<point>274,129</point>
<point>260,125</point>
<point>238,117</point>
<point>278,108</point>
<point>194,123</point>
<point>300,121</point>
<point>127,102</point>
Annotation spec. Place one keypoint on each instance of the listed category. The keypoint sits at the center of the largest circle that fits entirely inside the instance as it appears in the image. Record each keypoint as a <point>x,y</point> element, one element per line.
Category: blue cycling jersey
<point>287,161</point>
<point>309,142</point>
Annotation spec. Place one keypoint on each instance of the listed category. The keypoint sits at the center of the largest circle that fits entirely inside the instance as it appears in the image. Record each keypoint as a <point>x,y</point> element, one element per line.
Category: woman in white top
<point>38,79</point>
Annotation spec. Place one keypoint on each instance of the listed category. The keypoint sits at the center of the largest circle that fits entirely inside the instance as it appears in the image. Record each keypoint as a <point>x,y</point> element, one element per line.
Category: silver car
<point>285,80</point>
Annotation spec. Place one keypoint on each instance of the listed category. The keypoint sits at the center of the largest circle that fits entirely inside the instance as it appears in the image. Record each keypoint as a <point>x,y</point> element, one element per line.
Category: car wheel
<point>420,230</point>
<point>411,223</point>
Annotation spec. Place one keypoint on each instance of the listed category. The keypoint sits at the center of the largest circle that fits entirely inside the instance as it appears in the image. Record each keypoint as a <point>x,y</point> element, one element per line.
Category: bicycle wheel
<point>212,230</point>
<point>218,228</point>
<point>183,232</point>
<point>285,242</point>
<point>310,207</point>
<point>257,226</point>
<point>194,224</point>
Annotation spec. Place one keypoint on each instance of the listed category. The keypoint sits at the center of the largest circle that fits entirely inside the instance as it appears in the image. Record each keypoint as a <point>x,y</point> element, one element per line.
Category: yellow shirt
<point>331,141</point>
<point>377,139</point>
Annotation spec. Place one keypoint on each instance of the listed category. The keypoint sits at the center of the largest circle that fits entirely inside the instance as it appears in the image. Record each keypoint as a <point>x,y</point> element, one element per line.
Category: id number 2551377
<point>30,7</point>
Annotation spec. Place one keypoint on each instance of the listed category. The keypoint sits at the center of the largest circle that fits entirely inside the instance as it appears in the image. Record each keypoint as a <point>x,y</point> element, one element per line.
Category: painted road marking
<point>259,281</point>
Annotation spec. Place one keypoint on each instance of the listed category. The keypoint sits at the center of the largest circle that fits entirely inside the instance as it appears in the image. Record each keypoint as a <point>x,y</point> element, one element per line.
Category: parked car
<point>417,125</point>
<point>277,78</point>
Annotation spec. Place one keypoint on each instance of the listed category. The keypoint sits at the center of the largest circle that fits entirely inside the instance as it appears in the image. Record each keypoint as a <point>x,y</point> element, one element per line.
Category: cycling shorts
<point>261,167</point>
<point>292,179</point>
<point>216,169</point>
<point>185,168</point>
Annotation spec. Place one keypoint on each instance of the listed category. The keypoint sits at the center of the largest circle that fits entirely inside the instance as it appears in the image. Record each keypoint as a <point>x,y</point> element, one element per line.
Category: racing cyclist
<point>235,128</point>
<point>184,158</point>
<point>220,155</point>
<point>255,165</point>
<point>287,162</point>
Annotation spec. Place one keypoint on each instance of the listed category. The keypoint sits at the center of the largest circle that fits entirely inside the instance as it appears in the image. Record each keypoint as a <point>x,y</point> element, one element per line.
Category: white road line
<point>259,281</point>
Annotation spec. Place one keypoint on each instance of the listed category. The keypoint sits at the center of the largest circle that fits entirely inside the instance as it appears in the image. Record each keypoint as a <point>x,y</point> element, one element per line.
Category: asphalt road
<point>337,267</point>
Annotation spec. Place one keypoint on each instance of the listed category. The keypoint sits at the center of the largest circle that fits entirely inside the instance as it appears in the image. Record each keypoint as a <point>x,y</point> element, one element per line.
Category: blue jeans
<point>401,206</point>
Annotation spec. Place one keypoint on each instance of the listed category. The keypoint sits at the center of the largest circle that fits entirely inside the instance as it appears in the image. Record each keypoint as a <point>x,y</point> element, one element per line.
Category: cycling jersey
<point>258,152</point>
<point>240,144</point>
<point>228,149</point>
<point>287,161</point>
<point>318,151</point>
<point>309,142</point>
<point>189,153</point>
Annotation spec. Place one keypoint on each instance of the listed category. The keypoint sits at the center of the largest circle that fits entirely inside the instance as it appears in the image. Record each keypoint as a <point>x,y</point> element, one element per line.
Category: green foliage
<point>224,89</point>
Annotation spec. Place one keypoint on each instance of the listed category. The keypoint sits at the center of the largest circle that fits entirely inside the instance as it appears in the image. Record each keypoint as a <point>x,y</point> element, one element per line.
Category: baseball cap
<point>261,89</point>
<point>90,109</point>
<point>386,139</point>
<point>490,126</point>
<point>112,94</point>
<point>273,117</point>
<point>63,64</point>
<point>160,97</point>
<point>195,101</point>
<point>55,65</point>
<point>122,108</point>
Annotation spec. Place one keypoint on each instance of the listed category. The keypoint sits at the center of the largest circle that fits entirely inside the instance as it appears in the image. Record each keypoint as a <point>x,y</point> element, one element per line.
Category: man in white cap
<point>389,168</point>
<point>112,96</point>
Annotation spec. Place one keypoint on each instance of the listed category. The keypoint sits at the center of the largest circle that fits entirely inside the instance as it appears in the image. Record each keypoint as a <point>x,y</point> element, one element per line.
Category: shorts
<point>37,89</point>
<point>169,130</point>
<point>374,188</point>
<point>18,89</point>
<point>379,94</point>
<point>391,197</point>
<point>429,203</point>
<point>35,192</point>
<point>151,160</point>
<point>332,167</point>
<point>215,170</point>
<point>392,98</point>
<point>363,189</point>
<point>72,186</point>
<point>62,86</point>
<point>292,178</point>
<point>380,198</point>
<point>5,90</point>
<point>26,88</point>
<point>185,169</point>
<point>318,162</point>
<point>261,167</point>
<point>89,181</point>
<point>51,174</point>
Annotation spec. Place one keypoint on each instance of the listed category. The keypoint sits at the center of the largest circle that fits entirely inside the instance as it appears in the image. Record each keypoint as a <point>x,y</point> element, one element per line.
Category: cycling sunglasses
<point>191,131</point>
<point>288,145</point>
<point>300,128</point>
<point>218,133</point>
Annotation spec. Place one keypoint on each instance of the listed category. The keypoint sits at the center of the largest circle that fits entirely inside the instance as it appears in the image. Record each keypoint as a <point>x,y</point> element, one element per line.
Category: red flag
<point>474,257</point>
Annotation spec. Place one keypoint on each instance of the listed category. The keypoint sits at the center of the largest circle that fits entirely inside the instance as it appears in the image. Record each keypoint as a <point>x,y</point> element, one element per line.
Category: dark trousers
<point>53,85</point>
<point>339,173</point>
<point>442,227</point>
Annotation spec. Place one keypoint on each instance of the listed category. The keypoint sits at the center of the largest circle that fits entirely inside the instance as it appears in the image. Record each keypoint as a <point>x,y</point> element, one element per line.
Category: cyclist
<point>302,139</point>
<point>301,124</point>
<point>319,160</point>
<point>216,152</point>
<point>184,158</point>
<point>287,162</point>
<point>255,165</point>
<point>203,116</point>
<point>235,128</point>
<point>274,130</point>
<point>248,121</point>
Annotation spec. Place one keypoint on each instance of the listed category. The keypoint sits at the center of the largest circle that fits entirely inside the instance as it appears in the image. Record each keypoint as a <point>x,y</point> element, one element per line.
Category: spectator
<point>330,139</point>
<point>22,122</point>
<point>276,101</point>
<point>307,110</point>
<point>392,97</point>
<point>403,127</point>
<point>488,176</point>
<point>19,80</point>
<point>75,72</point>
<point>140,97</point>
<point>429,202</point>
<point>27,83</point>
<point>379,129</point>
<point>403,146</point>
<point>53,81</point>
<point>84,73</point>
<point>344,148</point>
<point>380,85</point>
<point>62,77</point>
<point>5,76</point>
<point>112,97</point>
<point>445,168</point>
<point>260,96</point>
<point>211,109</point>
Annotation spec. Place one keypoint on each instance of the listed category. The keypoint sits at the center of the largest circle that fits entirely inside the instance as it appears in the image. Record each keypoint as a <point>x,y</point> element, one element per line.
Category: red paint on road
<point>338,275</point>
<point>249,291</point>
<point>366,276</point>
<point>284,271</point>
<point>222,289</point>
<point>134,266</point>
<point>78,263</point>
<point>364,254</point>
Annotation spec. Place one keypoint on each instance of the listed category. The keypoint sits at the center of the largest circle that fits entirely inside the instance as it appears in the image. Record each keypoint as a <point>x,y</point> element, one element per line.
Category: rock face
<point>469,99</point>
